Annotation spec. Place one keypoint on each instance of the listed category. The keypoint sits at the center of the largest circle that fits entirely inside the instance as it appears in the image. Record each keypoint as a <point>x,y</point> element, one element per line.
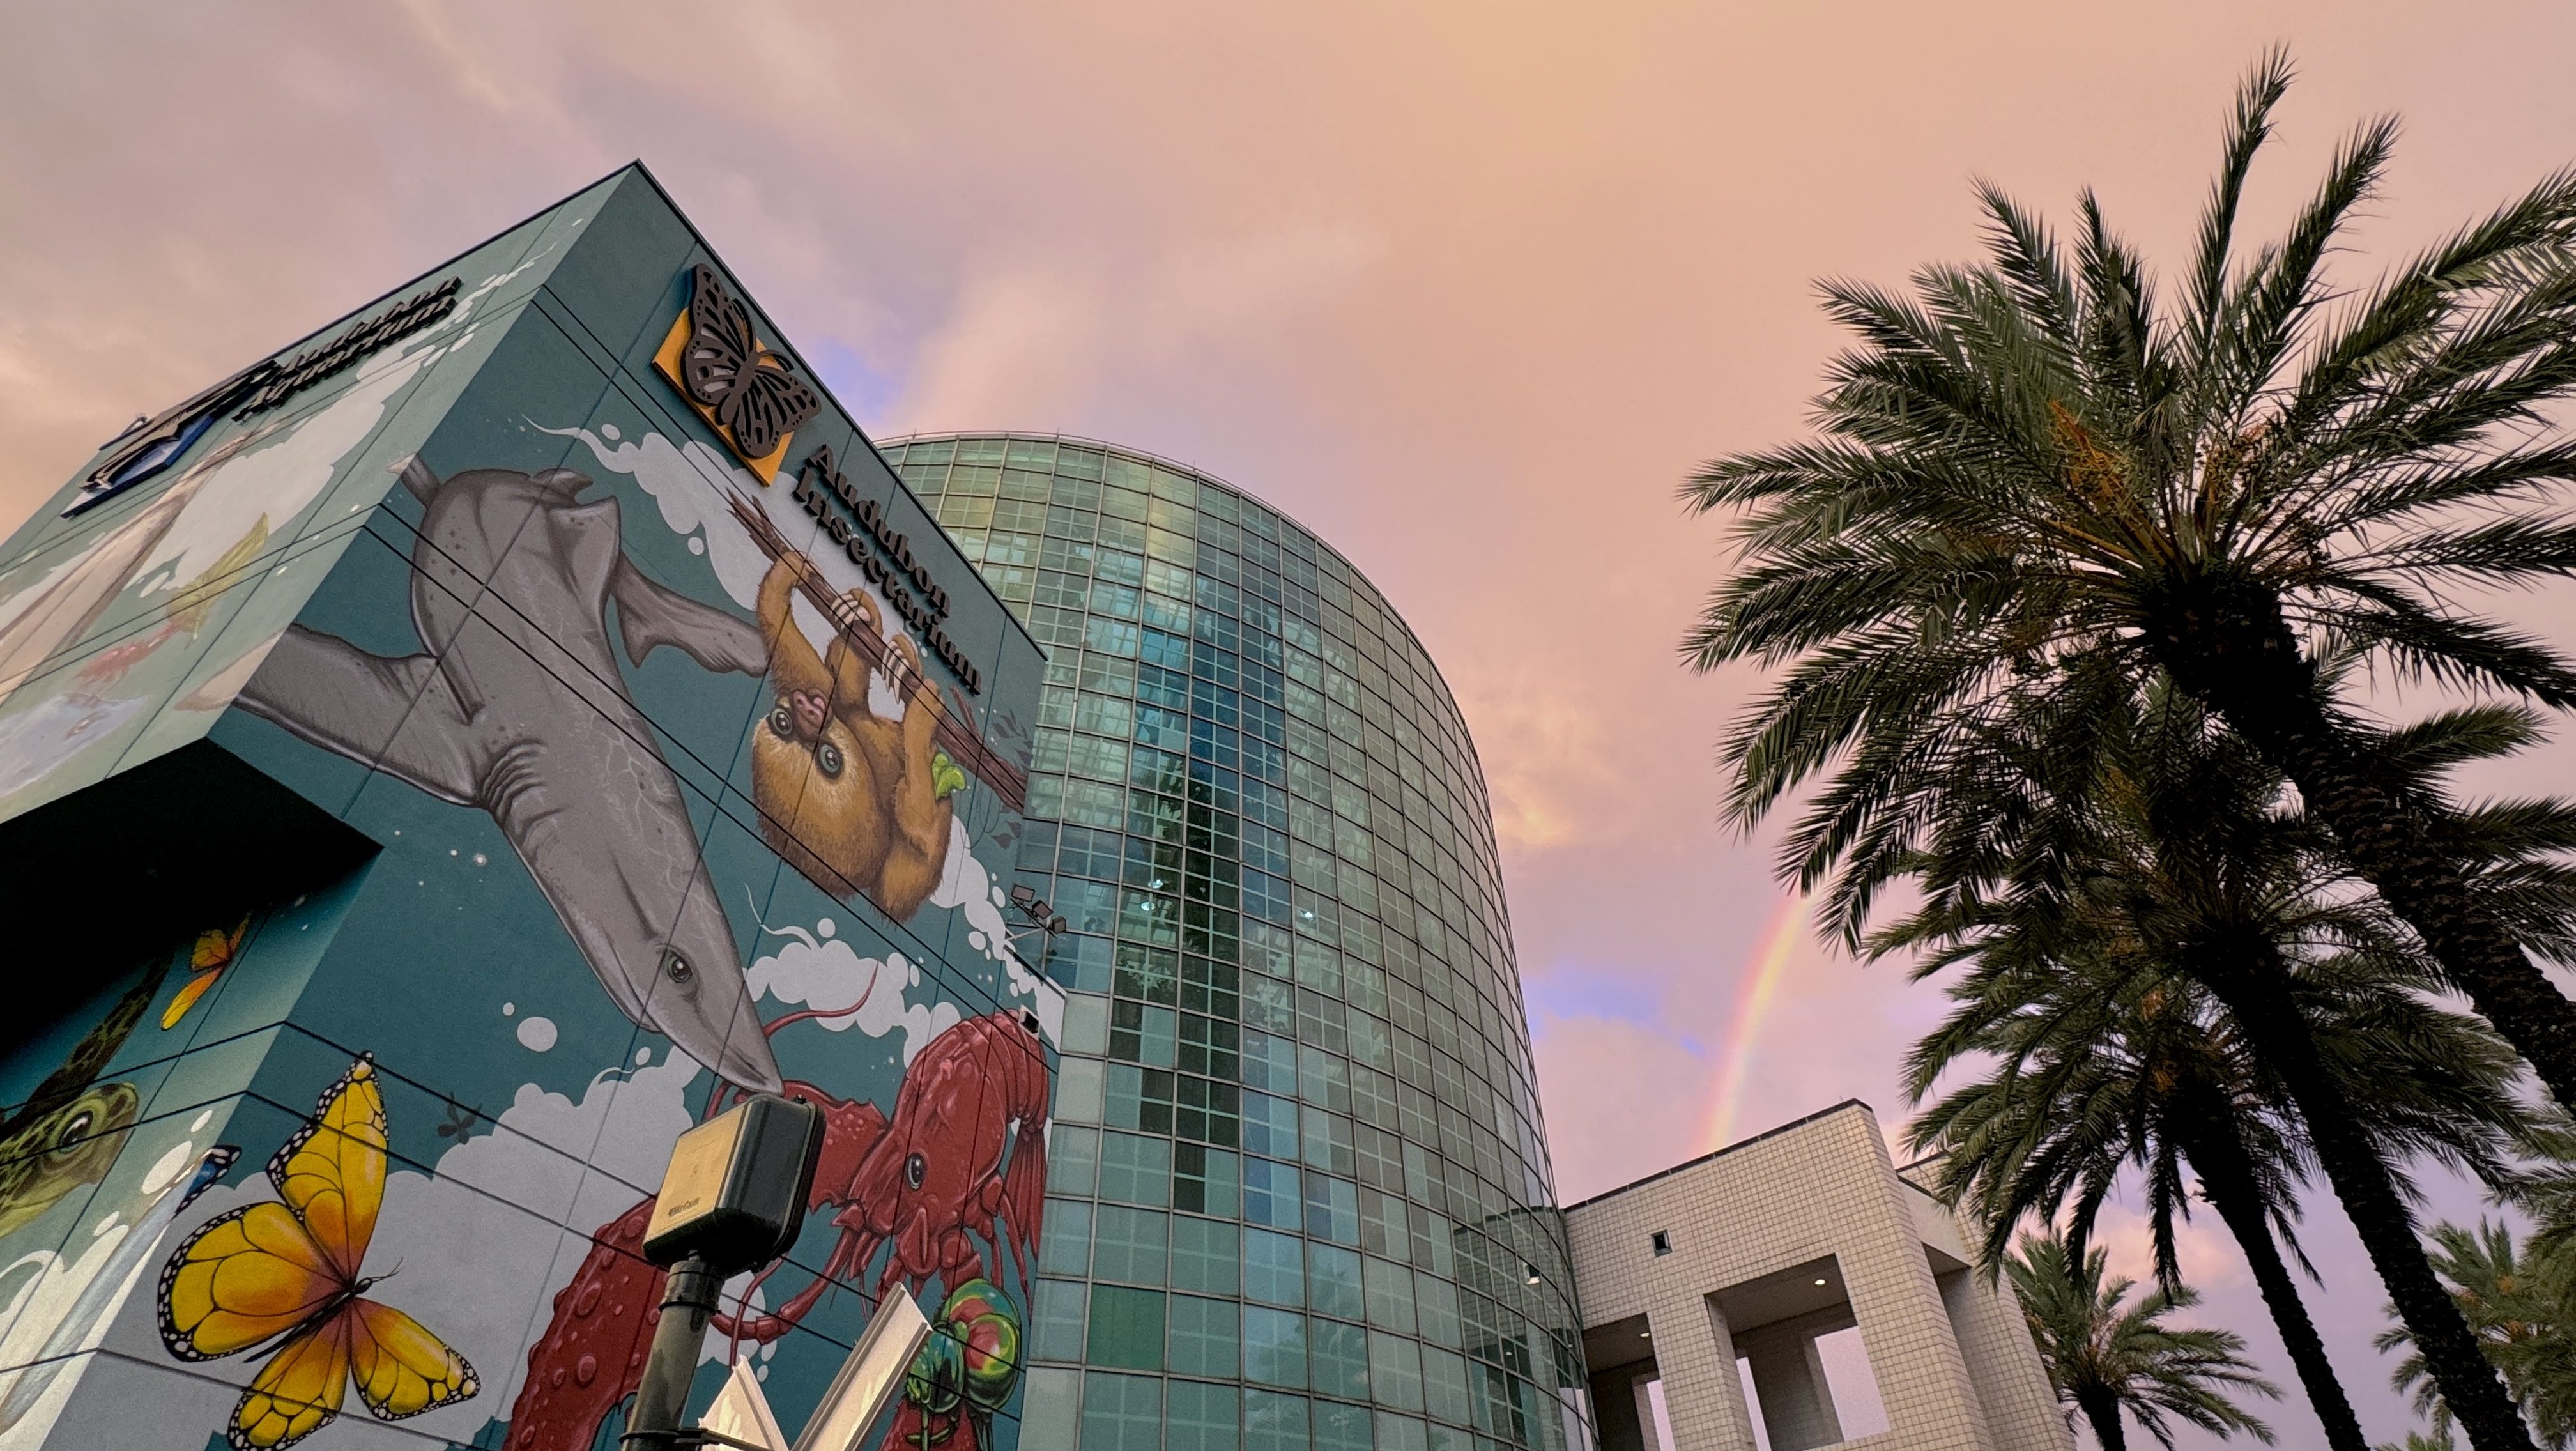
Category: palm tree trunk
<point>2102,1409</point>
<point>2229,1185</point>
<point>2255,993</point>
<point>2231,648</point>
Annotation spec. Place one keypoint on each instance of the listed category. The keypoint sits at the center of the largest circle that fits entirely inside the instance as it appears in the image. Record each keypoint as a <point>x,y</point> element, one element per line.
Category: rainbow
<point>1756,985</point>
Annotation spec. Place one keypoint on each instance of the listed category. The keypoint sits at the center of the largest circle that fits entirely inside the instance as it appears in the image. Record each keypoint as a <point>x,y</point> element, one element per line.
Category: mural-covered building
<point>1299,1192</point>
<point>440,764</point>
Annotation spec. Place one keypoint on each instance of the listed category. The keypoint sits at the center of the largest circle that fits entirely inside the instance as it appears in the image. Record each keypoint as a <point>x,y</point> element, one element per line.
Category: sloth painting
<point>854,800</point>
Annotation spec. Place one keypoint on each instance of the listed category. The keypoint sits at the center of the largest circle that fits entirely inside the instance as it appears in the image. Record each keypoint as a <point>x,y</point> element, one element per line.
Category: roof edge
<point>1769,1133</point>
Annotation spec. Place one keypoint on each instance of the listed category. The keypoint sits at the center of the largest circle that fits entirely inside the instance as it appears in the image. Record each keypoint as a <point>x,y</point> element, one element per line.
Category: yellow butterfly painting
<point>208,959</point>
<point>280,1279</point>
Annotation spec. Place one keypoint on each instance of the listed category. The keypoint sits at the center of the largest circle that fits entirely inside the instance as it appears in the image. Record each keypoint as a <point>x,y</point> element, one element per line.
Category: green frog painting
<point>69,1130</point>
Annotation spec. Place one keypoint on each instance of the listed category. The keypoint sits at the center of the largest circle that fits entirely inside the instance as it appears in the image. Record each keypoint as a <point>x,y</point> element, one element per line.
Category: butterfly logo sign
<point>750,393</point>
<point>280,1281</point>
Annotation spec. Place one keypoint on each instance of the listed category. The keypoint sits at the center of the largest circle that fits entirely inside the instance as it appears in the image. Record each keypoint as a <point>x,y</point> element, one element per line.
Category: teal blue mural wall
<point>689,770</point>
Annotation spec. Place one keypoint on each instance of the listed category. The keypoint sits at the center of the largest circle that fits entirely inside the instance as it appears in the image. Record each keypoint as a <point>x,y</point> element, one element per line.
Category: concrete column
<point>1789,1379</point>
<point>1644,1406</point>
<point>1697,1360</point>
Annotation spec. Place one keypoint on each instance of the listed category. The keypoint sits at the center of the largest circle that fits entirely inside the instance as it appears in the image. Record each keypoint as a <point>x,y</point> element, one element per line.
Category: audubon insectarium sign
<point>890,564</point>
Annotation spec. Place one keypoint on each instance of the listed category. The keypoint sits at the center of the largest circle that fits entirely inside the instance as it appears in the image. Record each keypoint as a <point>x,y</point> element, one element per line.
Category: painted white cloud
<point>843,990</point>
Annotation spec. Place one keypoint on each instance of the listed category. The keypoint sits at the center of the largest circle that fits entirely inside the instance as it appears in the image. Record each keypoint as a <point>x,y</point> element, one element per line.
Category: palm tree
<point>2034,471</point>
<point>2096,1057</point>
<point>2090,1083</point>
<point>2106,1357</point>
<point>2521,1299</point>
<point>2042,488</point>
<point>2170,852</point>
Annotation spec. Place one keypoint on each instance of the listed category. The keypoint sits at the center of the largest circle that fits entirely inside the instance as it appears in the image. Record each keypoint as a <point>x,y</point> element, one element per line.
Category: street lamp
<point>732,1199</point>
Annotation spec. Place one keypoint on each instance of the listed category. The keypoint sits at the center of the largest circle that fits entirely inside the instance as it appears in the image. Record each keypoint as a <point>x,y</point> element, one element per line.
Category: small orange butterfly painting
<point>280,1280</point>
<point>208,959</point>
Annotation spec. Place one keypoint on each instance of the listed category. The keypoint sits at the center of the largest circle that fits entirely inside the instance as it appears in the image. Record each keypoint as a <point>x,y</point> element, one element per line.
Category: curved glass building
<point>1299,1190</point>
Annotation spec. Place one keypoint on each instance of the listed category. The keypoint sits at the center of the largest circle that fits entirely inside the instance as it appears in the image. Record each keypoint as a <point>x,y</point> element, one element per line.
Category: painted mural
<point>520,713</point>
<point>141,620</point>
<point>113,1146</point>
<point>675,802</point>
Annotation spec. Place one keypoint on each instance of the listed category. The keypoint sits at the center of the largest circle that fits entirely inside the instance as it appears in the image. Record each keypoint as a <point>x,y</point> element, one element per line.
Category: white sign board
<point>870,1377</point>
<point>741,1412</point>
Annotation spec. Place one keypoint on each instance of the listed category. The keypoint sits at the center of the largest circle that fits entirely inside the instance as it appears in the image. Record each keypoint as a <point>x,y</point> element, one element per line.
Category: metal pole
<point>688,1299</point>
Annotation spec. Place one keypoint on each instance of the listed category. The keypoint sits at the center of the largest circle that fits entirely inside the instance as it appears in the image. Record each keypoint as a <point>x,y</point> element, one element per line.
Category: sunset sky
<point>1467,288</point>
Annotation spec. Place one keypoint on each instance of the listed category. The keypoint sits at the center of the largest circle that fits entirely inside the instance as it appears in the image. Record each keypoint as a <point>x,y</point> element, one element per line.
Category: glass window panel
<point>1124,502</point>
<point>1203,1417</point>
<point>1205,1255</point>
<point>1059,1320</point>
<point>1091,803</point>
<point>1078,1090</point>
<point>1073,1159</point>
<point>1328,1143</point>
<point>1436,1304</point>
<point>1274,1347</point>
<point>1269,1125</point>
<point>1395,1371</point>
<point>1086,1023</point>
<point>1136,1170</point>
<point>1268,1060</point>
<point>1122,1413</point>
<point>1204,1335</point>
<point>1128,1244</point>
<point>1400,1433</point>
<point>1333,1282</point>
<point>1051,1410</point>
<point>1383,1227</point>
<point>1336,1358</point>
<point>1444,1384</point>
<point>1205,1180</point>
<point>1066,1246</point>
<point>1271,1194</point>
<point>1126,1328</point>
<point>1147,975</point>
<point>1105,715</point>
<point>1332,1209</point>
<point>1390,1296</point>
<point>1341,1428</point>
<point>1159,1036</point>
<point>1089,907</point>
<point>1324,1079</point>
<point>1139,1098</point>
<point>1371,1041</point>
<point>1274,1267</point>
<point>1125,563</point>
<point>1275,1422</point>
<point>1271,1005</point>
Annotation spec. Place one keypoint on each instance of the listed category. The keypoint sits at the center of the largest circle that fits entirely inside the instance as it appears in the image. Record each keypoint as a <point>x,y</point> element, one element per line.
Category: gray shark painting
<point>516,706</point>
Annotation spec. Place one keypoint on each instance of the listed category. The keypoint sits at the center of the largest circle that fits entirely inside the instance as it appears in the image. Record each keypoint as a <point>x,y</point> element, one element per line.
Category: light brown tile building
<point>1799,1280</point>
